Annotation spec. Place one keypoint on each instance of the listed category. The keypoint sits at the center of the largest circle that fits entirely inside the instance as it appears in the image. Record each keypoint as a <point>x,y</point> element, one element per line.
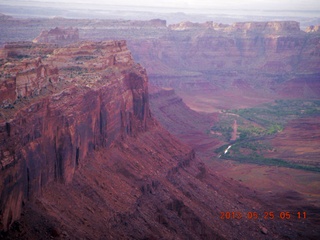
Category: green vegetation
<point>256,125</point>
<point>223,129</point>
<point>274,162</point>
<point>279,112</point>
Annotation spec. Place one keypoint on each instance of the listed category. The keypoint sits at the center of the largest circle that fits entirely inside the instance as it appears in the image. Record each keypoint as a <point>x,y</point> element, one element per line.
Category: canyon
<point>95,145</point>
<point>85,157</point>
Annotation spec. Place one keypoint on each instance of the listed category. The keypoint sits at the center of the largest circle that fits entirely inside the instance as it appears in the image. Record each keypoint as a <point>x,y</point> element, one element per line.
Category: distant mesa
<point>270,27</point>
<point>58,17</point>
<point>275,26</point>
<point>58,36</point>
<point>4,17</point>
<point>313,29</point>
<point>190,25</point>
<point>158,22</point>
<point>155,23</point>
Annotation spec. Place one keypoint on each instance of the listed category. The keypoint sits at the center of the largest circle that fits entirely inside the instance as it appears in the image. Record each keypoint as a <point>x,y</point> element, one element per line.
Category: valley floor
<point>286,188</point>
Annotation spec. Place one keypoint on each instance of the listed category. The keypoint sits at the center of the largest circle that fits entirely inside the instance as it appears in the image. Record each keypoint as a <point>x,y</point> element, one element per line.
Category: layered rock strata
<point>63,105</point>
<point>141,182</point>
<point>264,57</point>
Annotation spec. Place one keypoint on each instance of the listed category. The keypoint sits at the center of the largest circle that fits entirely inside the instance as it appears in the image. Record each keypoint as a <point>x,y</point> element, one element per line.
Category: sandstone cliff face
<point>58,116</point>
<point>252,45</point>
<point>263,55</point>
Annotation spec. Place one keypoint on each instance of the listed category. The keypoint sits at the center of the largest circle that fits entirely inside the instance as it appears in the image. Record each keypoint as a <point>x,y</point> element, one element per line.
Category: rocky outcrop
<point>30,78</point>
<point>267,27</point>
<point>58,35</point>
<point>77,99</point>
<point>312,29</point>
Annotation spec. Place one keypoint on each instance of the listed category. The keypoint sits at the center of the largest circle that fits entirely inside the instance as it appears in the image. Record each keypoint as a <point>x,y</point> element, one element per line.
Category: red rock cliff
<point>264,55</point>
<point>59,107</point>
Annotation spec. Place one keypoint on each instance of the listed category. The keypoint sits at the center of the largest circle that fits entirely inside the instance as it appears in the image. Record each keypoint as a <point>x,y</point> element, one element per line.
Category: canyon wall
<point>81,155</point>
<point>260,55</point>
<point>57,108</point>
<point>78,144</point>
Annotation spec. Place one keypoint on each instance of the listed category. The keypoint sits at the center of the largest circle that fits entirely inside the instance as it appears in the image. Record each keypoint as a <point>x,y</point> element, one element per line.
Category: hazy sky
<point>221,4</point>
